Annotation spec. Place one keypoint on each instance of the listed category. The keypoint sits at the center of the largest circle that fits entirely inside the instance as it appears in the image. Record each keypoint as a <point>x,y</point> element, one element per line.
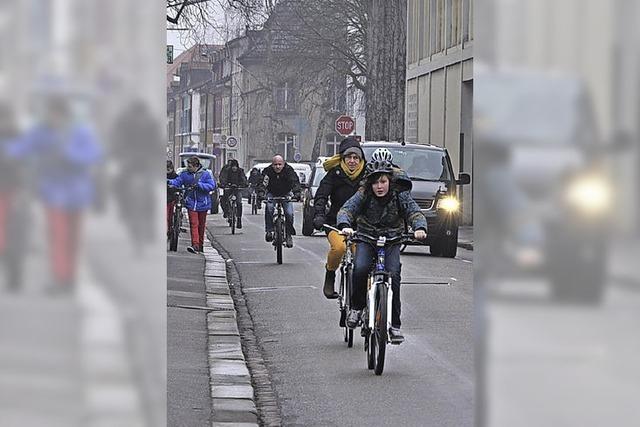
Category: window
<point>285,98</point>
<point>185,115</point>
<point>284,145</point>
<point>437,26</point>
<point>332,144</point>
<point>454,23</point>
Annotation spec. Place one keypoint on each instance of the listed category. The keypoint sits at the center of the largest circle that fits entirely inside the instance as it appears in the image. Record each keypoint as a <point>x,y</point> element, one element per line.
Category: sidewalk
<point>465,237</point>
<point>208,378</point>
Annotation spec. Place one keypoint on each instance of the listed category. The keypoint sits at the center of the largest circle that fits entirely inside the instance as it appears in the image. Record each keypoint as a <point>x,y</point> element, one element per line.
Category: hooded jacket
<point>197,195</point>
<point>383,216</point>
<point>336,187</point>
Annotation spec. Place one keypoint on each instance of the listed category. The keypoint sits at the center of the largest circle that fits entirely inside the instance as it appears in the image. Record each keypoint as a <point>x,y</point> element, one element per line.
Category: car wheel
<point>578,274</point>
<point>445,246</point>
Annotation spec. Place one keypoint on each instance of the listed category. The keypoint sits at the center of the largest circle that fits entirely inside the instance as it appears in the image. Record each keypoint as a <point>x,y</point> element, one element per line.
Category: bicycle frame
<point>379,277</point>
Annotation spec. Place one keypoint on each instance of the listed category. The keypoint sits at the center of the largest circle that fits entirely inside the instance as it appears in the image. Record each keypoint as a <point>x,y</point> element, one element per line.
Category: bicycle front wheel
<point>174,234</point>
<point>278,239</point>
<point>233,217</point>
<point>380,329</point>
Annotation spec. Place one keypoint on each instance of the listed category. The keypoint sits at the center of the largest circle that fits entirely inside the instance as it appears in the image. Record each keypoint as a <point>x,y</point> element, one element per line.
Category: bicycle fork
<point>376,286</point>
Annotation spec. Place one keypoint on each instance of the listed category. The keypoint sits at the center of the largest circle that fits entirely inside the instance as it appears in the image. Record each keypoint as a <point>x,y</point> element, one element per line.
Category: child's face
<point>380,186</point>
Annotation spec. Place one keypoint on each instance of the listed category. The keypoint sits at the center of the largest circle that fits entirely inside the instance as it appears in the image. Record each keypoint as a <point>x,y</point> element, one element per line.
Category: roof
<point>190,55</point>
<point>395,144</point>
<point>191,153</point>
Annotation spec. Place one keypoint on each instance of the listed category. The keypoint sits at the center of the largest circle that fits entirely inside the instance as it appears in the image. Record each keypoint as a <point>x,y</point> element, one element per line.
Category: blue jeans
<point>363,262</point>
<point>288,216</point>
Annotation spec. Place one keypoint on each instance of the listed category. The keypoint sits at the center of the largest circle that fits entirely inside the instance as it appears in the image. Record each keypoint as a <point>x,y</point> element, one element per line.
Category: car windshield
<point>320,173</point>
<point>419,163</point>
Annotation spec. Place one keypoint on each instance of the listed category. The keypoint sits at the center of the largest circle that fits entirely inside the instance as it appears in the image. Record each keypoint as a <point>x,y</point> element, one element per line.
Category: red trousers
<point>170,206</point>
<point>64,233</point>
<point>197,221</point>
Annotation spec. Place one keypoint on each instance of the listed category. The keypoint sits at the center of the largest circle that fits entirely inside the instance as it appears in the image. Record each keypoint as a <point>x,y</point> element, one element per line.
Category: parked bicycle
<point>176,220</point>
<point>346,280</point>
<point>233,199</point>
<point>279,227</point>
<point>376,316</point>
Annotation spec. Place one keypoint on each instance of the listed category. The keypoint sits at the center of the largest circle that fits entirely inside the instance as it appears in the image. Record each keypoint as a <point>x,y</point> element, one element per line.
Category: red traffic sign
<point>345,125</point>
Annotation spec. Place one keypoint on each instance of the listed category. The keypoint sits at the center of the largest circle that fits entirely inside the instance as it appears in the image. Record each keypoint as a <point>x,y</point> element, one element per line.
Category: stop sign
<point>345,125</point>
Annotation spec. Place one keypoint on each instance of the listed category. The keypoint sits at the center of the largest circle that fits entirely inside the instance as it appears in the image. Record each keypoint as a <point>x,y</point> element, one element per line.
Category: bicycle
<point>253,200</point>
<point>376,319</point>
<point>346,280</point>
<point>232,200</point>
<point>279,229</point>
<point>176,220</point>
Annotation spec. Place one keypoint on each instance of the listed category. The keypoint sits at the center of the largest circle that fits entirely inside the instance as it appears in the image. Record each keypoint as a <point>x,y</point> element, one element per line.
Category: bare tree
<point>386,72</point>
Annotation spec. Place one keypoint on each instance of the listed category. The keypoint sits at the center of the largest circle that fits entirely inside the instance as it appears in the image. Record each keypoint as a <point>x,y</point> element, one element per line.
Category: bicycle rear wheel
<point>278,239</point>
<point>380,329</point>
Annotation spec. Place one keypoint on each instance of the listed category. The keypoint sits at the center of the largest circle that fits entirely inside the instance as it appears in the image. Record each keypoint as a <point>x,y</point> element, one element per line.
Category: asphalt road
<point>427,381</point>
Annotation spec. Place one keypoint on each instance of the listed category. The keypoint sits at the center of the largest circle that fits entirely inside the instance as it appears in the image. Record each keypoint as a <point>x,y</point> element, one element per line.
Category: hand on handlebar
<point>420,234</point>
<point>348,231</point>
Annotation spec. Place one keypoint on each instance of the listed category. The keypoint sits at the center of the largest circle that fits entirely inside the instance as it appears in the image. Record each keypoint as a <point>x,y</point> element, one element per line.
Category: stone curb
<point>232,394</point>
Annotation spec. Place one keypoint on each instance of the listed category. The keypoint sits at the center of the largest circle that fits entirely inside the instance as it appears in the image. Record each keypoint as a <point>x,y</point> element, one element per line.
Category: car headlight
<point>449,204</point>
<point>590,194</point>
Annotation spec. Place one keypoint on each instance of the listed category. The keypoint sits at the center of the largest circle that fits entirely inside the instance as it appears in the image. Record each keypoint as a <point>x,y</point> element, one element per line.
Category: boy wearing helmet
<point>379,208</point>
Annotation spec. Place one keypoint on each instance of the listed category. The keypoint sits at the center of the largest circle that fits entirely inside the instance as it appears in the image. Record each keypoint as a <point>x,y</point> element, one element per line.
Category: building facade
<point>439,101</point>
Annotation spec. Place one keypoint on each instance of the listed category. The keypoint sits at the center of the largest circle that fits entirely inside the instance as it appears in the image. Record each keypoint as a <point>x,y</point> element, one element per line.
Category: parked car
<point>434,189</point>
<point>208,162</point>
<point>317,174</point>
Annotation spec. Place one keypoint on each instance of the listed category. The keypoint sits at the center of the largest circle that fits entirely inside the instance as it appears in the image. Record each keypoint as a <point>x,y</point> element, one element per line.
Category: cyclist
<point>345,170</point>
<point>171,194</point>
<point>222,183</point>
<point>199,183</point>
<point>380,207</point>
<point>254,179</point>
<point>279,180</point>
<point>232,175</point>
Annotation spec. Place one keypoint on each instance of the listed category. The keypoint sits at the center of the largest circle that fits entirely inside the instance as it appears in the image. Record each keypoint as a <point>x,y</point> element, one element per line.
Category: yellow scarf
<point>336,160</point>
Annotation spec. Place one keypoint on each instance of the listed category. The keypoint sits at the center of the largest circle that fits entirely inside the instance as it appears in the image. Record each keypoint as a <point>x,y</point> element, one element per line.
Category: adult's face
<point>192,167</point>
<point>352,160</point>
<point>277,164</point>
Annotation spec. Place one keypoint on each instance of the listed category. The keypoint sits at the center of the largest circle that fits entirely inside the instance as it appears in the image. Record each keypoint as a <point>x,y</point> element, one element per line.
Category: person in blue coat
<point>63,152</point>
<point>198,183</point>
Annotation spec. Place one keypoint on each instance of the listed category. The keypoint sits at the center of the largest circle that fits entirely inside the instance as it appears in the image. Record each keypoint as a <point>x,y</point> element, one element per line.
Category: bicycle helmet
<point>382,154</point>
<point>381,162</point>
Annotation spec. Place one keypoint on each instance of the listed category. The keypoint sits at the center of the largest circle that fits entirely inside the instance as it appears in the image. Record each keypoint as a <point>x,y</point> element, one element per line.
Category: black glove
<point>297,196</point>
<point>318,222</point>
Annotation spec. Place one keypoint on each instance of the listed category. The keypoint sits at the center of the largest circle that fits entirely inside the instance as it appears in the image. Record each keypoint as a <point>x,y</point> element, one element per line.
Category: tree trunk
<point>386,70</point>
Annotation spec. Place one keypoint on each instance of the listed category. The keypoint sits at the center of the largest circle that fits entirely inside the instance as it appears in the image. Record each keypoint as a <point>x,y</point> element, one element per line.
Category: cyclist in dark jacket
<point>279,180</point>
<point>380,208</point>
<point>199,183</point>
<point>232,175</point>
<point>345,170</point>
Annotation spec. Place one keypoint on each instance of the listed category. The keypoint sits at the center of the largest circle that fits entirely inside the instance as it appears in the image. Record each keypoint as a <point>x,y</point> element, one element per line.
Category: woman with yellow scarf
<point>344,172</point>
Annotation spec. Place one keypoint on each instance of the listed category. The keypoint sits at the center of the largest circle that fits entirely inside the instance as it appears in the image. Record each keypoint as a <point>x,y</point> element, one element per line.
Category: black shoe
<point>193,249</point>
<point>268,236</point>
<point>239,223</point>
<point>224,215</point>
<point>329,280</point>
<point>395,335</point>
<point>353,318</point>
<point>289,241</point>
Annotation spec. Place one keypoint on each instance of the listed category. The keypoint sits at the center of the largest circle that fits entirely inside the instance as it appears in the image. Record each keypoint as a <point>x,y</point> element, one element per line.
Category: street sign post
<point>345,125</point>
